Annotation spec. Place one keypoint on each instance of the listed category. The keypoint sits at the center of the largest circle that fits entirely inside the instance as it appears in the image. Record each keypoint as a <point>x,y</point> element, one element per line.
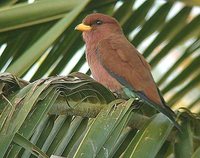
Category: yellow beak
<point>83,27</point>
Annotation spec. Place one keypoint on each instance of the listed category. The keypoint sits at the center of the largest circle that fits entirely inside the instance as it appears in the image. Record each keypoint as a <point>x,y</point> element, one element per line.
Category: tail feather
<point>163,109</point>
<point>169,110</point>
<point>165,104</point>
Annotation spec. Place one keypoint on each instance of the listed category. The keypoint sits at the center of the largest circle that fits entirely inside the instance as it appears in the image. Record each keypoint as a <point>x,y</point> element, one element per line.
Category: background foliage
<point>37,40</point>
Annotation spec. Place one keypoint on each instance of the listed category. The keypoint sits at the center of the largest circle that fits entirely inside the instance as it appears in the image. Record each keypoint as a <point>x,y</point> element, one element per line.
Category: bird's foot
<point>137,103</point>
<point>116,95</point>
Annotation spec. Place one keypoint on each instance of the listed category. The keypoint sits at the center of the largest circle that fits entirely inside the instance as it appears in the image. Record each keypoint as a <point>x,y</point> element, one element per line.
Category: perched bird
<point>115,62</point>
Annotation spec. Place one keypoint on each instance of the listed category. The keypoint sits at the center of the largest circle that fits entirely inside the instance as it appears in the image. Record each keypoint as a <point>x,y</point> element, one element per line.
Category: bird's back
<point>120,57</point>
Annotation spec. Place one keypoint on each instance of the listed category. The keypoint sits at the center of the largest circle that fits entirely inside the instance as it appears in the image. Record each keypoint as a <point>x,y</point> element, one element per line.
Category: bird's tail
<point>169,112</point>
<point>163,109</point>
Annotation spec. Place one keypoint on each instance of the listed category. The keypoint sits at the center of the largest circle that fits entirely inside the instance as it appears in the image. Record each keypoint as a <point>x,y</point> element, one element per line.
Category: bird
<point>115,62</point>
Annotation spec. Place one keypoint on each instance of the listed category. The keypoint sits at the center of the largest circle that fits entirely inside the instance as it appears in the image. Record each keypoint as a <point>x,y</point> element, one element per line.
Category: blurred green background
<point>37,40</point>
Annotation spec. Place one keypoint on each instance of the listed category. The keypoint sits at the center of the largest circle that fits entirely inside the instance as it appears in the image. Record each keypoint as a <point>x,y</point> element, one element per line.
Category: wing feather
<point>121,58</point>
<point>123,62</point>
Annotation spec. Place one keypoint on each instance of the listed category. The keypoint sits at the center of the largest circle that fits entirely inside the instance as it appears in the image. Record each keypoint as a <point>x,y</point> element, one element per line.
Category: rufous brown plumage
<point>114,61</point>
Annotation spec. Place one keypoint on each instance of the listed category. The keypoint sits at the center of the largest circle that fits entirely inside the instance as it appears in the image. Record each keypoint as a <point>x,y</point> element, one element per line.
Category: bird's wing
<point>123,62</point>
<point>128,66</point>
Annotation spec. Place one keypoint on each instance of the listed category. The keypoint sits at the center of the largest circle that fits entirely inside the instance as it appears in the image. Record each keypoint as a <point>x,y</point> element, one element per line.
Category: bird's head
<point>97,26</point>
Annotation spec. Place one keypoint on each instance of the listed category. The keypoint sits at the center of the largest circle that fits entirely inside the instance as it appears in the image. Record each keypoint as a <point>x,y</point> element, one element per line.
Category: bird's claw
<point>137,103</point>
<point>116,95</point>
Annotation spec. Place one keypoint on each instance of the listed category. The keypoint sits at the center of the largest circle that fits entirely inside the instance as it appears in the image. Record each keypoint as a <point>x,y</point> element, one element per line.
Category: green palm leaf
<point>73,115</point>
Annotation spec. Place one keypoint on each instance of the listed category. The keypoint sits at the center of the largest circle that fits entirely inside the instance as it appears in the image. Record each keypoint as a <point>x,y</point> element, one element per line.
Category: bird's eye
<point>98,22</point>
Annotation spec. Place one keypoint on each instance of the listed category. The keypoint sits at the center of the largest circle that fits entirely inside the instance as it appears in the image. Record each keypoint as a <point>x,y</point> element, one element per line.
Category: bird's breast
<point>100,74</point>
